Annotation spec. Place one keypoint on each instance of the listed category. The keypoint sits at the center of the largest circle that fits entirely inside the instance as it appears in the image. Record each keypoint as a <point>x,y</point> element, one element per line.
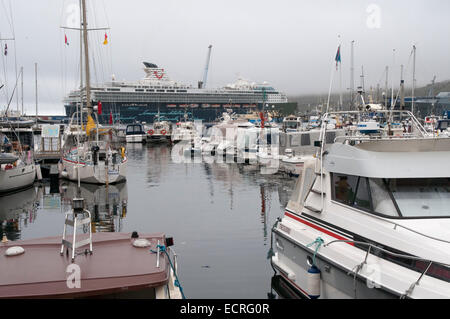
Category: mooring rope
<point>162,249</point>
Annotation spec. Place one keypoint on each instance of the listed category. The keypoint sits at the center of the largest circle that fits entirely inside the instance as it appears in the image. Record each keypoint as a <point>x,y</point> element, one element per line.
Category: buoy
<point>64,174</point>
<point>141,243</point>
<point>163,132</point>
<point>313,282</point>
<point>150,132</point>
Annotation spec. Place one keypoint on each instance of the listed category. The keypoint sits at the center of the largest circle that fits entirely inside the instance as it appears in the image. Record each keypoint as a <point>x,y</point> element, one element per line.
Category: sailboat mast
<point>86,59</point>
<point>386,87</point>
<point>352,81</point>
<point>21,83</point>
<point>414,78</point>
<point>35,75</point>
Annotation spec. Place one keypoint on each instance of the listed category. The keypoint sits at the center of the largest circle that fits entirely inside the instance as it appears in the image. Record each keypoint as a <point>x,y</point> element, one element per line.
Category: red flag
<point>110,118</point>
<point>99,107</point>
<point>261,116</point>
<point>65,40</point>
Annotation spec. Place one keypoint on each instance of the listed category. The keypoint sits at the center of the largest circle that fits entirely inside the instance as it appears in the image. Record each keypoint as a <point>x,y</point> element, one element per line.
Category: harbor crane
<point>202,84</point>
<point>431,90</point>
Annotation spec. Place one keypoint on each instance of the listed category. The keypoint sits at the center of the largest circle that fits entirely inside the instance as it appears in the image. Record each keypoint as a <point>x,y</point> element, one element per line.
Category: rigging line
<point>6,15</point>
<point>94,46</point>
<point>15,51</point>
<point>110,48</point>
<point>5,74</point>
<point>100,50</point>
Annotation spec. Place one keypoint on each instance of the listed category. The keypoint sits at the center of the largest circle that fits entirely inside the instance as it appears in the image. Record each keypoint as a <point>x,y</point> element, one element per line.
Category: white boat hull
<point>291,262</point>
<point>98,174</point>
<point>135,138</point>
<point>17,178</point>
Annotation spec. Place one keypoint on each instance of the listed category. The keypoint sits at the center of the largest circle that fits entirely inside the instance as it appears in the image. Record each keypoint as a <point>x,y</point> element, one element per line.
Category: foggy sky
<point>288,43</point>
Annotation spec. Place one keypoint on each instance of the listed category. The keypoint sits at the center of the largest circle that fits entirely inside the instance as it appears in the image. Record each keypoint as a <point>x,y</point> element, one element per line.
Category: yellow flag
<point>106,39</point>
<point>90,125</point>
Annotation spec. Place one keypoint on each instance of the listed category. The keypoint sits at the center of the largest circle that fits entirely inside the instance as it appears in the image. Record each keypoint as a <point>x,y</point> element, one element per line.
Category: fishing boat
<point>292,164</point>
<point>184,131</point>
<point>135,133</point>
<point>161,131</point>
<point>368,219</point>
<point>292,123</point>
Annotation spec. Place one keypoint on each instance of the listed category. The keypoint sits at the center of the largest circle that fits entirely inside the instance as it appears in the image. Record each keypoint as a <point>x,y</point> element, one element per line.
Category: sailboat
<point>101,264</point>
<point>17,168</point>
<point>90,155</point>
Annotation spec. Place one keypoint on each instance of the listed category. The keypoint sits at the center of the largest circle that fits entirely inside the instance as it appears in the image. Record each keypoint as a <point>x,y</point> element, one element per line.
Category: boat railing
<point>342,139</point>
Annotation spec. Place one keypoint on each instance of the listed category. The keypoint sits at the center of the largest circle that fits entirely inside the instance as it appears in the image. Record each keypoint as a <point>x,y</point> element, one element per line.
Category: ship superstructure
<point>141,100</point>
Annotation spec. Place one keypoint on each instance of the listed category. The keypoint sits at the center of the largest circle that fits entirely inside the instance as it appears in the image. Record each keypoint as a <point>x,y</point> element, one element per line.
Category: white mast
<point>386,86</point>
<point>86,59</point>
<point>35,75</point>
<point>21,80</point>
<point>414,78</point>
<point>352,81</point>
<point>392,81</point>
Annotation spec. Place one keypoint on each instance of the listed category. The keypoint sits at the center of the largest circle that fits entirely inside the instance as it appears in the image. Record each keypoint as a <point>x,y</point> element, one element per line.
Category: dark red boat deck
<point>115,266</point>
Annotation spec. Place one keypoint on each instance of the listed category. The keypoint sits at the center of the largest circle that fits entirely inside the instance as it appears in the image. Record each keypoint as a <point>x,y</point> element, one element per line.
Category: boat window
<point>282,140</point>
<point>295,140</point>
<point>306,139</point>
<point>329,137</point>
<point>362,198</point>
<point>421,197</point>
<point>345,188</point>
<point>381,200</point>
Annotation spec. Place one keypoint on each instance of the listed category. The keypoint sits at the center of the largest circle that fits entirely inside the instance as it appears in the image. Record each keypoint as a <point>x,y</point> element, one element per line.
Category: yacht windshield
<point>421,197</point>
<point>397,197</point>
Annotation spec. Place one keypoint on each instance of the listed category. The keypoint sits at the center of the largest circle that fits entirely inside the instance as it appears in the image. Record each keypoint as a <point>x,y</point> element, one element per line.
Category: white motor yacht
<point>135,133</point>
<point>369,218</point>
<point>160,132</point>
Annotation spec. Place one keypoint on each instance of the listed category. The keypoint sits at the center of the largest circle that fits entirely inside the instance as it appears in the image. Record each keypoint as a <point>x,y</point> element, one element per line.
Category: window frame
<point>371,211</point>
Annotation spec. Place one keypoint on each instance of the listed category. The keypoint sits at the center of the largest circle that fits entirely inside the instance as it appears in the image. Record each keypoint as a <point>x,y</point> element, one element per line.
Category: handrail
<point>386,251</point>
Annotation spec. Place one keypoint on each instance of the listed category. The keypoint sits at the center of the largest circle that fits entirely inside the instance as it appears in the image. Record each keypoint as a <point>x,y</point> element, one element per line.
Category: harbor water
<point>219,214</point>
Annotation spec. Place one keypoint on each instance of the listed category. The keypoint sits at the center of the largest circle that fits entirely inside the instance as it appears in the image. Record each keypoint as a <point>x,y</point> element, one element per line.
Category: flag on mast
<point>106,39</point>
<point>65,40</point>
<point>110,117</point>
<point>338,56</point>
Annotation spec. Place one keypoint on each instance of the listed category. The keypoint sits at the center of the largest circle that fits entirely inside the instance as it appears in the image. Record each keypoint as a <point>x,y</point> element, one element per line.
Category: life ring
<point>163,132</point>
<point>150,132</point>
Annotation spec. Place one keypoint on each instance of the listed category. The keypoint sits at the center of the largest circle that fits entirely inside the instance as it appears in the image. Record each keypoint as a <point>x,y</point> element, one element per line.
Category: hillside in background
<point>307,103</point>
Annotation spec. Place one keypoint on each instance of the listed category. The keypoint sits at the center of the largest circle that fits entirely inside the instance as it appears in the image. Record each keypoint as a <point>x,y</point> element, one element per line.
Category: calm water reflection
<point>220,216</point>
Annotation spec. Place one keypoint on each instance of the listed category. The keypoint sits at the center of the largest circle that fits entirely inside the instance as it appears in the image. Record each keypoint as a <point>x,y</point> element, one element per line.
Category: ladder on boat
<point>72,219</point>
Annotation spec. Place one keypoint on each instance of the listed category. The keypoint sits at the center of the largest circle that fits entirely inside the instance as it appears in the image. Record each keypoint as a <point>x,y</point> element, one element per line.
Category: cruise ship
<point>142,100</point>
